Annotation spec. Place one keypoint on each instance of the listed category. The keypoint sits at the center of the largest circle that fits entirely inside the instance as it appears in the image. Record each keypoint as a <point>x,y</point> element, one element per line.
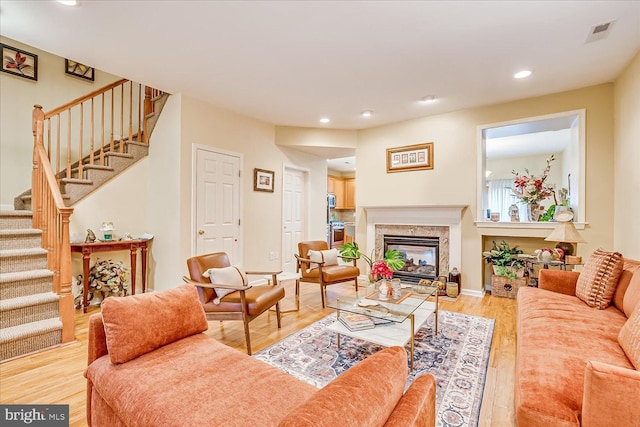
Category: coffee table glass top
<point>397,310</point>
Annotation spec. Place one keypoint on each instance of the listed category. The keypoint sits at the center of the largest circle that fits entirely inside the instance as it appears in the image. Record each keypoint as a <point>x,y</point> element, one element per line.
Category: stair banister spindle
<point>49,139</point>
<point>80,167</point>
<point>102,133</point>
<point>112,121</point>
<point>69,143</point>
<point>57,169</point>
<point>91,155</point>
<point>130,111</point>
<point>140,100</point>
<point>121,148</point>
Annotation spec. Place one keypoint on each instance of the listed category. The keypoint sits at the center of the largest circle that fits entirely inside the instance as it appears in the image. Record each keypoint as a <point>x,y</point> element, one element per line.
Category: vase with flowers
<point>383,269</point>
<point>532,189</point>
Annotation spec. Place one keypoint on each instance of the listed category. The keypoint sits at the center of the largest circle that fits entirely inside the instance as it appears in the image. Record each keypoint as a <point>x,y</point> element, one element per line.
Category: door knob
<point>201,232</point>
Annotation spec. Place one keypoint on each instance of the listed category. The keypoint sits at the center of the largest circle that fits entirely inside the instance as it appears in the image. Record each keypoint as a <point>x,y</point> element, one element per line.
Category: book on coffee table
<point>356,322</point>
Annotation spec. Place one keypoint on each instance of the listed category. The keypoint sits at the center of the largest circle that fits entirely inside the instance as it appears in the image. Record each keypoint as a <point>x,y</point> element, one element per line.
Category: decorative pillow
<point>329,257</point>
<point>629,337</point>
<point>599,277</point>
<point>226,276</point>
<point>139,324</point>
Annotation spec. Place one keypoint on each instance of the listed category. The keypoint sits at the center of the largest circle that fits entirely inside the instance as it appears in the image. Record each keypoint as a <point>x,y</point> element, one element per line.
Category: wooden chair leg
<point>322,292</point>
<point>297,295</point>
<point>278,314</point>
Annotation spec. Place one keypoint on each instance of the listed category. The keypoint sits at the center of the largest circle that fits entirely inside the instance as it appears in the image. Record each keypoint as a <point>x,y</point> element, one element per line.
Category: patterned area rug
<point>457,358</point>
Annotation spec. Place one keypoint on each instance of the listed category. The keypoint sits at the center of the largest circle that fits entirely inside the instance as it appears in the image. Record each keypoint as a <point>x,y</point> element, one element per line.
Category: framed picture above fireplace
<point>410,158</point>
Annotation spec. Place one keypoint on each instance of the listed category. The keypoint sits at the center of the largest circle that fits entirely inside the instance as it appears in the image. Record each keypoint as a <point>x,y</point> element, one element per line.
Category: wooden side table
<point>86,249</point>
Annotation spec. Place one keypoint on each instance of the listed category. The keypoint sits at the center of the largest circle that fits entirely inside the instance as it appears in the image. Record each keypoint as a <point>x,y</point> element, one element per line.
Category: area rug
<point>457,357</point>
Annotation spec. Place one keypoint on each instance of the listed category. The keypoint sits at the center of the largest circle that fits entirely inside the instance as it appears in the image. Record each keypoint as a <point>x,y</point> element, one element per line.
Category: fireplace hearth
<point>421,254</point>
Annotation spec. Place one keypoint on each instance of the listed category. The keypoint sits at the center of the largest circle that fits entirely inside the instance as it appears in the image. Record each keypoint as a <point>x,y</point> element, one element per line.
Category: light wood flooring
<point>55,376</point>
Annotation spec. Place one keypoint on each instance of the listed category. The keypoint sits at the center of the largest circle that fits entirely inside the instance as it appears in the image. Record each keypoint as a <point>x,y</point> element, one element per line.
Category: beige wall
<point>453,179</point>
<point>52,89</point>
<point>627,159</point>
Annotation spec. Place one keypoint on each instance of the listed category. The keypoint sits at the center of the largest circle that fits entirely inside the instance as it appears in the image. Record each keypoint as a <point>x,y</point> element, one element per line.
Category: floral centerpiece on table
<point>378,269</point>
<point>533,189</point>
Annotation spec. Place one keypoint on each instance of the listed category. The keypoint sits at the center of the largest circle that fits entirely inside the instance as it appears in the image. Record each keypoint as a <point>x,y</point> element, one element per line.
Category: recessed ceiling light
<point>367,113</point>
<point>68,2</point>
<point>522,74</point>
<point>428,99</point>
<point>325,120</point>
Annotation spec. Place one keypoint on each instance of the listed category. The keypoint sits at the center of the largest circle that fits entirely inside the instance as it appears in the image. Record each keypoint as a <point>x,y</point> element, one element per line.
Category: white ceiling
<point>290,63</point>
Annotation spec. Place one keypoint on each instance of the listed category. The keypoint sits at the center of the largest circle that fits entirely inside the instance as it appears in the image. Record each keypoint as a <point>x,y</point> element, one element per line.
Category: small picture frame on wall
<point>19,62</point>
<point>263,180</point>
<point>410,158</point>
<point>77,69</point>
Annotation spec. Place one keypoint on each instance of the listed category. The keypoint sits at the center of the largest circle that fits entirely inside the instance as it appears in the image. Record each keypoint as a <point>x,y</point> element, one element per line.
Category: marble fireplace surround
<point>444,222</point>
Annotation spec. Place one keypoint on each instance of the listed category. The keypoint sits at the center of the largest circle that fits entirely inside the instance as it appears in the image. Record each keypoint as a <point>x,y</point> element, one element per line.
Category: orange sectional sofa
<point>570,367</point>
<point>150,364</point>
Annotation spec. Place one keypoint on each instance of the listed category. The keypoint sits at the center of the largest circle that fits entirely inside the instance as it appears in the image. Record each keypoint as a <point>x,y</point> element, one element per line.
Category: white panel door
<point>217,204</point>
<point>293,216</point>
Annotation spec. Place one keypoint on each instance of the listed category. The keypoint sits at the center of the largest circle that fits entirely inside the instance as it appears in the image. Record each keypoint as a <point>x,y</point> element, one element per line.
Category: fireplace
<point>421,255</point>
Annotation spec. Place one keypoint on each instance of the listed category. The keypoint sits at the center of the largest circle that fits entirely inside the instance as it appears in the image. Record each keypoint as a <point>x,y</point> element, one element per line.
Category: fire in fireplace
<point>421,255</point>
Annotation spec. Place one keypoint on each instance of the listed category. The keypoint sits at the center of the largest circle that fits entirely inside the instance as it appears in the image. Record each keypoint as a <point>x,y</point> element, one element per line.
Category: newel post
<point>37,127</point>
<point>64,288</point>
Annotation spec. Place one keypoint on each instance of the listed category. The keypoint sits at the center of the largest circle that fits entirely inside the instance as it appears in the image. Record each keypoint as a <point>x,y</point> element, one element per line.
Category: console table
<point>86,249</point>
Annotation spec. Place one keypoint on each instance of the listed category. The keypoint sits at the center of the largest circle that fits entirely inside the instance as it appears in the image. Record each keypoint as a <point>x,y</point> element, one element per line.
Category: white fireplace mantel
<point>441,215</point>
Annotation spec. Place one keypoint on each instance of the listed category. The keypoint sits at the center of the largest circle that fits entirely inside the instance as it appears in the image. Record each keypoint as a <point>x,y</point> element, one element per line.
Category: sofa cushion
<point>629,337</point>
<point>368,393</point>
<point>631,267</point>
<point>197,381</point>
<point>599,278</point>
<point>328,257</point>
<point>557,335</point>
<point>160,318</point>
<point>227,276</point>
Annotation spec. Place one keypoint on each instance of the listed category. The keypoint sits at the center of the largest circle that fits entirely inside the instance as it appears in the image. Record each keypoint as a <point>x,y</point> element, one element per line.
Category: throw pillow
<point>329,257</point>
<point>629,337</point>
<point>227,276</point>
<point>139,324</point>
<point>599,277</point>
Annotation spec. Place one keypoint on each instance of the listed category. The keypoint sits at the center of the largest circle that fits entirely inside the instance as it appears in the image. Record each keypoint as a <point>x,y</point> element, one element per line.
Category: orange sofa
<point>570,367</point>
<point>150,364</point>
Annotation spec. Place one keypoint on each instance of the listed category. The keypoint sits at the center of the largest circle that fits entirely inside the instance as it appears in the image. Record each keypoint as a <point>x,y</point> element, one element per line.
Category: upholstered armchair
<point>225,293</point>
<point>317,264</point>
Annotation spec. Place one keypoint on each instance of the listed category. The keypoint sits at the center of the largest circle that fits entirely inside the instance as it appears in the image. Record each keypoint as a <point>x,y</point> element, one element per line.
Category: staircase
<point>112,125</point>
<point>29,315</point>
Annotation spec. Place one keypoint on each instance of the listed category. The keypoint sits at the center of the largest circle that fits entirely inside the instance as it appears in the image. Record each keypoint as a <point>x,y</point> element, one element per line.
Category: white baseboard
<point>471,293</point>
<point>6,207</point>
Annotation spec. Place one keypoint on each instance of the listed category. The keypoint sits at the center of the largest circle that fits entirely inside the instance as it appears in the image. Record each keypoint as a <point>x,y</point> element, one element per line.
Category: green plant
<point>393,257</point>
<point>502,255</point>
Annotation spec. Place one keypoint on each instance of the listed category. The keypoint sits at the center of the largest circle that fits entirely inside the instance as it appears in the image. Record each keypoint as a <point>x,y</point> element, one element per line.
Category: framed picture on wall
<point>263,180</point>
<point>79,70</point>
<point>410,158</point>
<point>19,62</point>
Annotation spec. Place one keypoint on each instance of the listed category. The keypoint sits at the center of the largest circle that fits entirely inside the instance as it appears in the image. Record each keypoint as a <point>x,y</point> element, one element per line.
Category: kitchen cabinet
<point>335,185</point>
<point>350,193</point>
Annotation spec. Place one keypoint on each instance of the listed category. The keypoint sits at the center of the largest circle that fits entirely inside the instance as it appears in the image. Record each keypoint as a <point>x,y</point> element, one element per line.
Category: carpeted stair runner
<point>29,317</point>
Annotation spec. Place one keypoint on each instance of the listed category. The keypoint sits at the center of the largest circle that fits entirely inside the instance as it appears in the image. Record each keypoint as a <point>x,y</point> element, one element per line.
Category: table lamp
<point>566,235</point>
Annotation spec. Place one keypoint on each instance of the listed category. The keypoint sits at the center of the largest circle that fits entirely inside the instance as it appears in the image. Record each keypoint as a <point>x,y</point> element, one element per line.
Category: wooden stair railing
<point>123,112</point>
<point>52,217</point>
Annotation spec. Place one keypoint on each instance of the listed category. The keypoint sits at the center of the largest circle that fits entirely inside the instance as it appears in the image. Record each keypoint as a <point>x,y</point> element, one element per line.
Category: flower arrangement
<point>379,269</point>
<point>533,189</point>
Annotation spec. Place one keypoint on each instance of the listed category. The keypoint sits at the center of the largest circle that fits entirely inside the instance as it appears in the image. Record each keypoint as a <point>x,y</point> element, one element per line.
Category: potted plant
<point>393,259</point>
<point>504,260</point>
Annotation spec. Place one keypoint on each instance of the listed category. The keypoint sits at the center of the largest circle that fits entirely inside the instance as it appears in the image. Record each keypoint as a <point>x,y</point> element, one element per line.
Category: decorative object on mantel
<point>91,236</point>
<point>410,158</point>
<point>514,213</point>
<point>263,180</point>
<point>532,190</point>
<point>565,234</point>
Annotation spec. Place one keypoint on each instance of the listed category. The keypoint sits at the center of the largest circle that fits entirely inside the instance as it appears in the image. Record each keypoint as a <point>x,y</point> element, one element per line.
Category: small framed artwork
<point>263,180</point>
<point>79,70</point>
<point>19,62</point>
<point>410,158</point>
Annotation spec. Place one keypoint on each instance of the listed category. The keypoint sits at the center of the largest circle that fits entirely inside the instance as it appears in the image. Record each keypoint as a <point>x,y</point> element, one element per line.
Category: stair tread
<point>20,232</point>
<point>8,253</point>
<point>77,181</point>
<point>116,154</point>
<point>21,213</point>
<point>137,143</point>
<point>25,275</point>
<point>28,196</point>
<point>98,167</point>
<point>28,300</point>
<point>38,327</point>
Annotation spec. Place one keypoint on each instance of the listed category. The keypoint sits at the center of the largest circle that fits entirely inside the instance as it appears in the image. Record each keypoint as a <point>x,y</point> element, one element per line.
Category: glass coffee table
<point>396,320</point>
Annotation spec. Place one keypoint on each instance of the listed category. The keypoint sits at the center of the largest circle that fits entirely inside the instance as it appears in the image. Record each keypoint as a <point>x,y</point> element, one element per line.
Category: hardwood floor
<point>55,376</point>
